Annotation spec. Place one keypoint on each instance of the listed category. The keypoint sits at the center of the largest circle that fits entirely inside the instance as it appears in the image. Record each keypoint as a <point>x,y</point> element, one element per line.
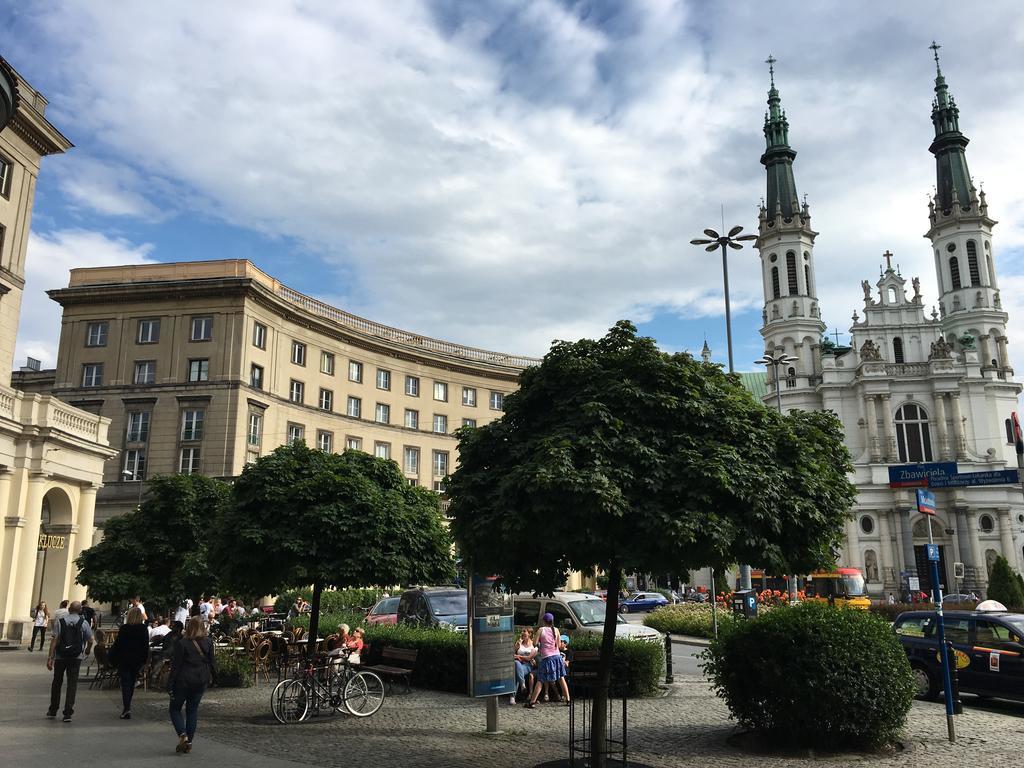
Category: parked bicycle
<point>329,683</point>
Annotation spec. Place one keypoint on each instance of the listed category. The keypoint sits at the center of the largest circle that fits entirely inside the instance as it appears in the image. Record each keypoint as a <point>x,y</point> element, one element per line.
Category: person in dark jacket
<point>128,654</point>
<point>192,669</point>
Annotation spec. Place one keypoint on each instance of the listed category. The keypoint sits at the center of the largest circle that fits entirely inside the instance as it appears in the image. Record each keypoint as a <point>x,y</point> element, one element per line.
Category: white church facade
<point>914,386</point>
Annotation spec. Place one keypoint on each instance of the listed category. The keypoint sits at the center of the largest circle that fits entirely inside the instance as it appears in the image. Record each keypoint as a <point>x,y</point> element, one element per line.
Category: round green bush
<point>814,676</point>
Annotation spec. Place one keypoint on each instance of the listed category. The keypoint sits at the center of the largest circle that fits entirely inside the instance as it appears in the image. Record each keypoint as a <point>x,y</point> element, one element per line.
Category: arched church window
<point>1009,431</point>
<point>913,438</point>
<point>954,271</point>
<point>807,279</point>
<point>897,350</point>
<point>775,283</point>
<point>791,378</point>
<point>791,273</point>
<point>972,263</point>
<point>892,295</point>
<point>986,523</point>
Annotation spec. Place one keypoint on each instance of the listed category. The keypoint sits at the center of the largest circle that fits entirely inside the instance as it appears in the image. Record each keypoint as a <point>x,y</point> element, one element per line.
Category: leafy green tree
<point>615,456</point>
<point>1004,584</point>
<point>305,517</point>
<point>158,551</point>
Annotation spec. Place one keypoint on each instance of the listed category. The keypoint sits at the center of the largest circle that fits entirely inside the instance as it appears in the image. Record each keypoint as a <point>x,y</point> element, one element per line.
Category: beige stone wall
<point>237,297</point>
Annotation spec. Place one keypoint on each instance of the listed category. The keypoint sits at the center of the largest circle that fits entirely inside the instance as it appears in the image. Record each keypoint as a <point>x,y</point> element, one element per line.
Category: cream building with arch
<point>51,454</point>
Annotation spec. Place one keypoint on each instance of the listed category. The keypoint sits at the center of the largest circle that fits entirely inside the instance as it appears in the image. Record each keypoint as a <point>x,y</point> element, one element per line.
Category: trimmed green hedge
<point>442,661</point>
<point>890,612</point>
<point>234,670</point>
<point>332,600</point>
<point>692,619</point>
<point>814,676</point>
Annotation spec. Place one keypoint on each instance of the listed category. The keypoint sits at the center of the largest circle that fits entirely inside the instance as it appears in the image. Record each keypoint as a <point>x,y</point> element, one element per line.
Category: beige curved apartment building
<point>204,366</point>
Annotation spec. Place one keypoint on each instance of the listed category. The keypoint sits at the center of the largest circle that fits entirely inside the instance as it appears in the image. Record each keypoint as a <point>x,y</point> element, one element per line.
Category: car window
<point>914,626</point>
<point>422,612</point>
<point>589,612</point>
<point>447,603</point>
<point>560,613</point>
<point>991,633</point>
<point>956,630</point>
<point>390,605</point>
<point>527,613</point>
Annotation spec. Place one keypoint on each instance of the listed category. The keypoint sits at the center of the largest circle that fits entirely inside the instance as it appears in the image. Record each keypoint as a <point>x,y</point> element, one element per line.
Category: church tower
<point>791,319</point>
<point>961,235</point>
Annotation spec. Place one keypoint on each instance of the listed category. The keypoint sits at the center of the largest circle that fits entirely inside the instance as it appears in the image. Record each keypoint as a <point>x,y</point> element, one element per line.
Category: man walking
<point>70,643</point>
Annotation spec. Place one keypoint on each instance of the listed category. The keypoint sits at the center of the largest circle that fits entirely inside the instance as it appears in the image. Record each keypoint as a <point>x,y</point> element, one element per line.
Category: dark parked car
<point>642,601</point>
<point>988,645</point>
<point>434,607</point>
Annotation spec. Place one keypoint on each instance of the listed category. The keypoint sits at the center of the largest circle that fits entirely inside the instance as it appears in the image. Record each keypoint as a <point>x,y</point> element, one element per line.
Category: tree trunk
<point>314,620</point>
<point>599,713</point>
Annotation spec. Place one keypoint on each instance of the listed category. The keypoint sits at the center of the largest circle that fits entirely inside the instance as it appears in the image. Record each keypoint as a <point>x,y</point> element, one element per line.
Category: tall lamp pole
<point>776,361</point>
<point>716,241</point>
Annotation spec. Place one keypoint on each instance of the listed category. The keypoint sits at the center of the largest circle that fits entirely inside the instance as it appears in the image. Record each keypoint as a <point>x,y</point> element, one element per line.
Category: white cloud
<point>49,261</point>
<point>108,189</point>
<point>502,174</point>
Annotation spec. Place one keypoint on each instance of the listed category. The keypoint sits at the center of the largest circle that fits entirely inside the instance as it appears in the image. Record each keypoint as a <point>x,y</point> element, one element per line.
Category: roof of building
<point>755,382</point>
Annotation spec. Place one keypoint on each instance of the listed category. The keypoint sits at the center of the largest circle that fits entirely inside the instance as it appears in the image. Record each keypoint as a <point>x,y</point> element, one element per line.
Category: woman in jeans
<point>40,621</point>
<point>192,669</point>
<point>128,654</point>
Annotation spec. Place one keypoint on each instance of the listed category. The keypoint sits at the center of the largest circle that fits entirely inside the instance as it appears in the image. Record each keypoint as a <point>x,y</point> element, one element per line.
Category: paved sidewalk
<point>688,726</point>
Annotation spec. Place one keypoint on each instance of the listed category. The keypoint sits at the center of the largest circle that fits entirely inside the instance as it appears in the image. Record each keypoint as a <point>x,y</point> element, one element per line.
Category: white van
<point>576,612</point>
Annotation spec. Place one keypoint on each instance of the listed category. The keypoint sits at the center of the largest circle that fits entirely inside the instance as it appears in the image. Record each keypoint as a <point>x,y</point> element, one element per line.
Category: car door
<point>997,659</point>
<point>958,632</point>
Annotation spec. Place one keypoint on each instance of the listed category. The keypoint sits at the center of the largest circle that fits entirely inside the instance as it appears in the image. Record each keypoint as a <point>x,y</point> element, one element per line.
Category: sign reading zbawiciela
<point>918,475</point>
<point>491,639</point>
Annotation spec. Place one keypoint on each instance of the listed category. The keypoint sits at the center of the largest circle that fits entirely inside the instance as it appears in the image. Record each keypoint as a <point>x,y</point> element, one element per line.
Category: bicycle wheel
<point>364,694</point>
<point>275,700</point>
<point>294,701</point>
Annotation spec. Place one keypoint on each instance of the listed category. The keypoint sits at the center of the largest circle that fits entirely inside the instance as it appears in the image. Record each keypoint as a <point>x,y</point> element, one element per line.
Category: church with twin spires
<point>918,383</point>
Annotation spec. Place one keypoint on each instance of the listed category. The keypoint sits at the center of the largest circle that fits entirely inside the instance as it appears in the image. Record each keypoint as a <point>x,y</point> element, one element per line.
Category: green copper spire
<point>778,156</point>
<point>953,180</point>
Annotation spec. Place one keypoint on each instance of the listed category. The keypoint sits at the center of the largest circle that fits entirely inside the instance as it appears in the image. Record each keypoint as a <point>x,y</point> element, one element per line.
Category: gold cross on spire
<point>770,61</point>
<point>935,49</point>
<point>888,260</point>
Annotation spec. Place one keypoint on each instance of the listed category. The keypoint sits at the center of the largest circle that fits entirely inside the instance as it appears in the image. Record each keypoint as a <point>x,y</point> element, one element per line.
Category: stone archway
<point>54,566</point>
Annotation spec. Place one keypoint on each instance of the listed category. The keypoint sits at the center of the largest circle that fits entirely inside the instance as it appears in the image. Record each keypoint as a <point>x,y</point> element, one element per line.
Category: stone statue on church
<point>869,351</point>
<point>941,350</point>
<point>867,290</point>
<point>916,282</point>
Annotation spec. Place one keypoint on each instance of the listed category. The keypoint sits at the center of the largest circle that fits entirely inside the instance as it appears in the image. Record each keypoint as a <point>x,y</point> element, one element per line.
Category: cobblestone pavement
<point>686,726</point>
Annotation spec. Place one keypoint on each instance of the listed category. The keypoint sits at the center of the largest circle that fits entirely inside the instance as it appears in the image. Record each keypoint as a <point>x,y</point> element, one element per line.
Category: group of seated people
<point>526,658</point>
<point>346,644</point>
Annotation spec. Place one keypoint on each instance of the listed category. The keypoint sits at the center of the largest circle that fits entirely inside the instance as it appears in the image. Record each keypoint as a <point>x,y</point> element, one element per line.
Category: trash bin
<point>744,603</point>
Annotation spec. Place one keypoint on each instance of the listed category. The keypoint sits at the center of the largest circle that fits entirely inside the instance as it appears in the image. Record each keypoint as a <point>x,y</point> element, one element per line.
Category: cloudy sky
<point>502,173</point>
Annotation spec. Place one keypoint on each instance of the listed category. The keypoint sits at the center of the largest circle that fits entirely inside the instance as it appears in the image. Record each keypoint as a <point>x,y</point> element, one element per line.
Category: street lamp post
<point>128,476</point>
<point>730,240</point>
<point>776,361</point>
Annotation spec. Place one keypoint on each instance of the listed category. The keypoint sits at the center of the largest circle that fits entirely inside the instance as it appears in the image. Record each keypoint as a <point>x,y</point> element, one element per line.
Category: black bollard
<point>669,678</point>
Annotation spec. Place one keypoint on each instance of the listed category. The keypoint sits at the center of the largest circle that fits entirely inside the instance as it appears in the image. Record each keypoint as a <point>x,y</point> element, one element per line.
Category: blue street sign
<point>998,477</point>
<point>925,502</point>
<point>918,475</point>
<point>933,552</point>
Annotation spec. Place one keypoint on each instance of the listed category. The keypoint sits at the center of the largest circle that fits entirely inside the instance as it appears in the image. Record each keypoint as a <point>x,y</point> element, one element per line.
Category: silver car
<point>576,612</point>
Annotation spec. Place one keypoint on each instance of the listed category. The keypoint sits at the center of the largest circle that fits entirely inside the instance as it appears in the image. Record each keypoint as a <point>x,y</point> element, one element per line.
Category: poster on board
<point>491,639</point>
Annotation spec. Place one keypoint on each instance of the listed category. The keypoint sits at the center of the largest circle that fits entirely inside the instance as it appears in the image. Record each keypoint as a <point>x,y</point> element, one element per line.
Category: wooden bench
<point>389,671</point>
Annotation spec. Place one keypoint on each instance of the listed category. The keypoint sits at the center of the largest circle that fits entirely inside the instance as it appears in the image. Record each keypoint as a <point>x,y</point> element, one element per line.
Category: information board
<point>491,639</point>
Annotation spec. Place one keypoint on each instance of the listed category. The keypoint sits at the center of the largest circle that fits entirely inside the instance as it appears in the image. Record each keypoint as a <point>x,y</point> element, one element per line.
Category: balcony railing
<point>907,369</point>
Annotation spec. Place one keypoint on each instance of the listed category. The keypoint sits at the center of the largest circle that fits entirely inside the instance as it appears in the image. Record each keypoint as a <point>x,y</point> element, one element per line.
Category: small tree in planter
<point>615,456</point>
<point>301,516</point>
<point>1004,584</point>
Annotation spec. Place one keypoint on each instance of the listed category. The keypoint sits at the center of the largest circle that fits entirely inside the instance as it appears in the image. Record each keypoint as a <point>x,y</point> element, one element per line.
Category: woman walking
<point>40,621</point>
<point>128,654</point>
<point>550,667</point>
<point>192,669</point>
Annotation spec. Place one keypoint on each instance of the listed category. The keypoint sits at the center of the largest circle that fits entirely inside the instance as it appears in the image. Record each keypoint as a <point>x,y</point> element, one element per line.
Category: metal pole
<point>944,660</point>
<point>778,402</point>
<point>714,605</point>
<point>728,316</point>
<point>669,677</point>
<point>492,715</point>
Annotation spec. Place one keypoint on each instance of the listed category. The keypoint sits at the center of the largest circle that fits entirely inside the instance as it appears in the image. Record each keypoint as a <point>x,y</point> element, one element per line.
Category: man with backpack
<point>70,643</point>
